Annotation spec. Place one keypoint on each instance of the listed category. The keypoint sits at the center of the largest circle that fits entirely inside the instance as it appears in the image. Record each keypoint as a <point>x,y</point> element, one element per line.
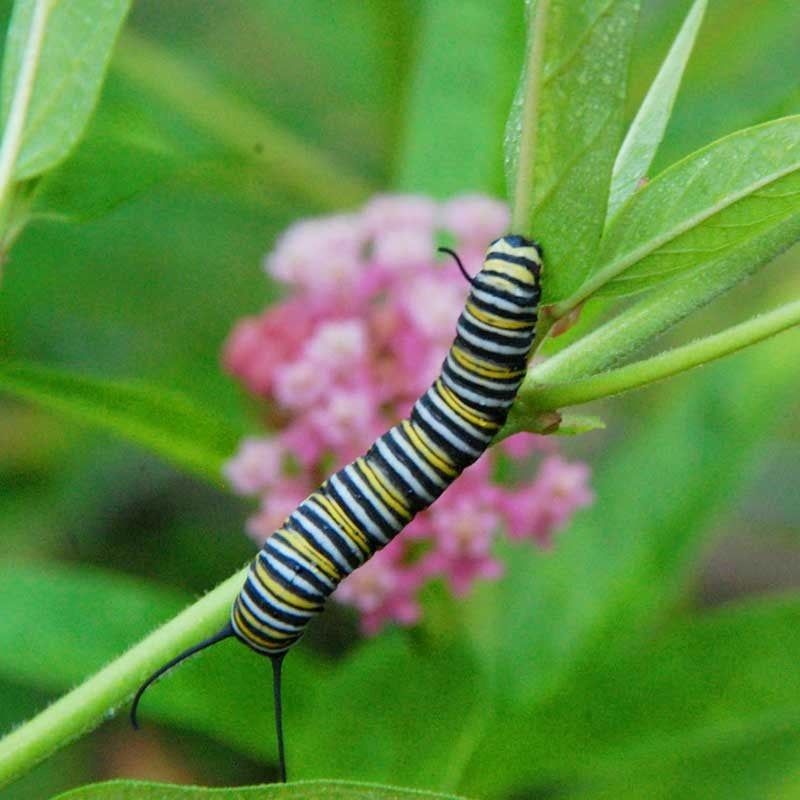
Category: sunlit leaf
<point>76,48</point>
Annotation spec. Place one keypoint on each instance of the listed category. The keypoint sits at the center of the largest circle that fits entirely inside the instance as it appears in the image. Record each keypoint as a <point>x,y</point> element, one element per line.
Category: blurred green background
<point>653,653</point>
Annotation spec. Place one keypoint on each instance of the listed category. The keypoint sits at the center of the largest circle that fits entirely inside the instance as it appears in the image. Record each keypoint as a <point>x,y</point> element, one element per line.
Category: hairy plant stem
<point>85,707</point>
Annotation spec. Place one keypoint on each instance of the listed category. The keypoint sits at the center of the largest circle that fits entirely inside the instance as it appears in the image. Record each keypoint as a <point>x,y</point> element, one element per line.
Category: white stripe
<point>475,378</point>
<point>272,600</point>
<point>402,470</point>
<point>500,302</point>
<point>293,576</point>
<point>465,425</point>
<point>320,538</point>
<point>520,333</point>
<point>373,498</point>
<point>268,619</point>
<point>354,508</point>
<point>445,432</point>
<point>419,460</point>
<point>491,347</point>
<point>467,395</point>
<point>343,536</point>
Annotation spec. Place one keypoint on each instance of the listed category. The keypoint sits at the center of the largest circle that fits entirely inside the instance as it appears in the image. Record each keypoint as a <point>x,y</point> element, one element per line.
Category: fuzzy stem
<point>89,704</point>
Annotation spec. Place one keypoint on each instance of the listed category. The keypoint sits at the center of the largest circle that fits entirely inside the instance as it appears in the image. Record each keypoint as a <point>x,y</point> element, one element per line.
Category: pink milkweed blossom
<point>369,313</point>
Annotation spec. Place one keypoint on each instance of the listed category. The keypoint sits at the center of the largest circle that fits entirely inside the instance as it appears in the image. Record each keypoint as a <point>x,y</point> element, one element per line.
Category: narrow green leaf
<point>457,104</point>
<point>165,422</point>
<point>700,210</point>
<point>305,790</point>
<point>581,77</point>
<point>647,129</point>
<point>298,166</point>
<point>75,50</point>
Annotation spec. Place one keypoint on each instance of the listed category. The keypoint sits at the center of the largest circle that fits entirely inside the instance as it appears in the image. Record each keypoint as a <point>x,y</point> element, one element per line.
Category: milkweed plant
<point>365,311</point>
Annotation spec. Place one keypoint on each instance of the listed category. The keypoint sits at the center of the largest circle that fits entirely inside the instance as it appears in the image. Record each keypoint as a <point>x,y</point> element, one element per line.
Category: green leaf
<point>128,147</point>
<point>75,51</point>
<point>306,790</point>
<point>568,120</point>
<point>458,103</point>
<point>670,713</point>
<point>165,422</point>
<point>643,321</point>
<point>647,129</point>
<point>622,566</point>
<point>702,209</point>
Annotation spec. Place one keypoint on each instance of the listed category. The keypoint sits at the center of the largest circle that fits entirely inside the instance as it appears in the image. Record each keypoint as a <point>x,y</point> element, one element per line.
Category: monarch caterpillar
<point>364,505</point>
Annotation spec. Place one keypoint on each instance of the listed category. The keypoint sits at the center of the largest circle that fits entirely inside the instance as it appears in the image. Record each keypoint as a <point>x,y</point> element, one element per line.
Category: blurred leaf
<point>647,129</point>
<point>308,172</point>
<point>76,49</point>
<point>457,106</point>
<point>307,790</point>
<point>123,153</point>
<point>624,562</point>
<point>668,714</point>
<point>702,209</point>
<point>167,423</point>
<point>578,131</point>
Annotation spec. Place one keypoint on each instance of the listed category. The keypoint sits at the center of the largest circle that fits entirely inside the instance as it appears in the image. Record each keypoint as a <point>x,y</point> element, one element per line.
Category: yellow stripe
<point>272,587</point>
<point>247,622</point>
<point>462,410</point>
<point>435,457</point>
<point>480,369</point>
<point>340,517</point>
<point>516,271</point>
<point>385,492</point>
<point>297,541</point>
<point>496,321</point>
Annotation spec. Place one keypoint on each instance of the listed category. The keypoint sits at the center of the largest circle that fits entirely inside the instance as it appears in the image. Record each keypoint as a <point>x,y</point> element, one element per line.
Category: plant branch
<point>671,362</point>
<point>88,705</point>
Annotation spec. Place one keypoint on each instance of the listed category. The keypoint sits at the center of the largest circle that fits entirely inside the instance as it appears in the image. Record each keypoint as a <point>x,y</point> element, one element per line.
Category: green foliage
<point>576,131</point>
<point>310,790</point>
<point>587,672</point>
<point>75,51</point>
<point>167,423</point>
<point>647,129</point>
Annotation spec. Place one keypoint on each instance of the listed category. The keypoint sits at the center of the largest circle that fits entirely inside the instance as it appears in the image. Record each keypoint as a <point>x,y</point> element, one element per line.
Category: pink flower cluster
<point>368,318</point>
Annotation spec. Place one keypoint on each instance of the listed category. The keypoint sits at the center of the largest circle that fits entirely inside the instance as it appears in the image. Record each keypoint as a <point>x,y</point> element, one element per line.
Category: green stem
<point>300,167</point>
<point>18,112</point>
<point>87,706</point>
<point>672,362</point>
<point>522,201</point>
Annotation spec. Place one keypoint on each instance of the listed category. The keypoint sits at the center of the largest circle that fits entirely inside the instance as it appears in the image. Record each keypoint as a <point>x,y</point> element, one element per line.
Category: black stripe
<point>521,315</point>
<point>330,491</point>
<point>295,566</point>
<point>280,614</point>
<point>415,501</point>
<point>334,535</point>
<point>389,531</point>
<point>523,261</point>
